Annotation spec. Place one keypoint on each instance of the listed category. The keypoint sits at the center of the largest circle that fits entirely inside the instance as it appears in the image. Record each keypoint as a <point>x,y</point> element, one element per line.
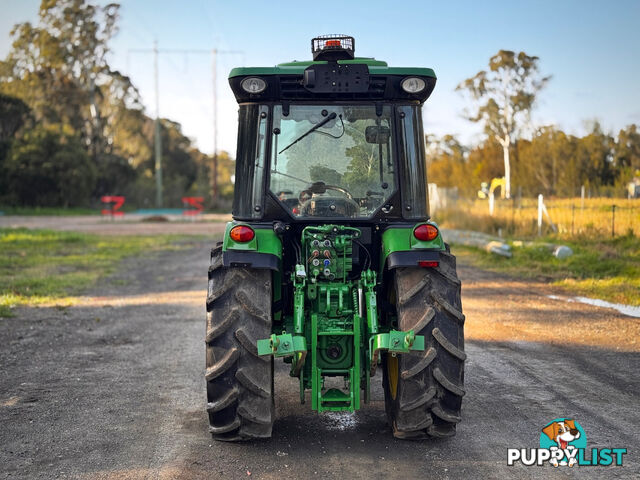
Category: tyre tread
<point>239,382</point>
<point>430,385</point>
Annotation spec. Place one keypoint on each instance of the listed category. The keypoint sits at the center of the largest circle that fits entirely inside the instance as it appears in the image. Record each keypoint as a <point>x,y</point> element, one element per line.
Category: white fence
<point>441,197</point>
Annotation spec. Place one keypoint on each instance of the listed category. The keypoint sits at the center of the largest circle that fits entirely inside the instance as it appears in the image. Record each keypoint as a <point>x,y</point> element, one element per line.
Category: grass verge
<point>605,269</point>
<point>518,218</point>
<point>43,267</point>
<point>55,211</point>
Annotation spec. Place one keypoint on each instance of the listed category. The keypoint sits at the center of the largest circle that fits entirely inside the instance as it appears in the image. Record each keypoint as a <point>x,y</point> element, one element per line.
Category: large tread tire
<point>429,385</point>
<point>240,401</point>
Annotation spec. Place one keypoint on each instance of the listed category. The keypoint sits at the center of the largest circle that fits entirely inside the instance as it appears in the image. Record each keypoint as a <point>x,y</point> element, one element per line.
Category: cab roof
<point>376,67</point>
<point>335,74</point>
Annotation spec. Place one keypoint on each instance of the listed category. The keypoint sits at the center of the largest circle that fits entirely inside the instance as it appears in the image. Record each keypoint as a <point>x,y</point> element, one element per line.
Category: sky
<point>590,49</point>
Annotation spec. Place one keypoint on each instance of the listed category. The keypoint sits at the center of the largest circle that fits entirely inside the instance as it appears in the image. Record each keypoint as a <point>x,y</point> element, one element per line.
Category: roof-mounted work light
<point>413,84</point>
<point>253,85</point>
<point>333,47</point>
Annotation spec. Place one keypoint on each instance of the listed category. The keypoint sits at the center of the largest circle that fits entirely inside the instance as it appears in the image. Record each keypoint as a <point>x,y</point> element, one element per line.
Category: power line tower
<point>214,70</point>
<point>157,138</point>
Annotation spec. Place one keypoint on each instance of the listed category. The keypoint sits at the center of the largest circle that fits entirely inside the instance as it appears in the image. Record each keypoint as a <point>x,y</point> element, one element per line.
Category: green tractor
<point>331,262</point>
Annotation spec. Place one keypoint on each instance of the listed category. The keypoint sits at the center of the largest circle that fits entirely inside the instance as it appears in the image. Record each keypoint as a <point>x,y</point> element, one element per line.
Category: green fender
<point>264,251</point>
<point>401,249</point>
<point>265,241</point>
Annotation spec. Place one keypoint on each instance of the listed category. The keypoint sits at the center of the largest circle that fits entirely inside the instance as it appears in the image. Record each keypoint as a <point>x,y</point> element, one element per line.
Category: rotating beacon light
<point>333,47</point>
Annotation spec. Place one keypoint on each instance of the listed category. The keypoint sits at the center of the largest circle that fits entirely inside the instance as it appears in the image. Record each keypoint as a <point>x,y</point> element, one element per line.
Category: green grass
<point>43,267</point>
<point>60,211</point>
<point>594,220</point>
<point>55,211</point>
<point>605,269</point>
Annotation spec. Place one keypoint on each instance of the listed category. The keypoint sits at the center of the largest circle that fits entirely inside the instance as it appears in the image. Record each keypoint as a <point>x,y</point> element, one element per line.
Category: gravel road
<point>129,224</point>
<point>113,388</point>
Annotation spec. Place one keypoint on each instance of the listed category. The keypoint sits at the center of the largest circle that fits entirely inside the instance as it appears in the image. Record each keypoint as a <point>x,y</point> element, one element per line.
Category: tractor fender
<point>400,248</point>
<point>264,251</point>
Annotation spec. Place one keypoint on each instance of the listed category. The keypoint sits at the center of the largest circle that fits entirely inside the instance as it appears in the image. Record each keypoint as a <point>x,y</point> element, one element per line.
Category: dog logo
<point>563,437</point>
<point>564,443</point>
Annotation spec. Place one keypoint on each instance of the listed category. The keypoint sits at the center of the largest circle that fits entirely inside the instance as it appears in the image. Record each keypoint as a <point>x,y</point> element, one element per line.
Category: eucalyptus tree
<point>503,97</point>
<point>59,65</point>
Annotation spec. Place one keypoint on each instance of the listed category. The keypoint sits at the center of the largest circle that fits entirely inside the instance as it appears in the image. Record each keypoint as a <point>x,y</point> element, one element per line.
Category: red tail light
<point>242,234</point>
<point>428,264</point>
<point>425,232</point>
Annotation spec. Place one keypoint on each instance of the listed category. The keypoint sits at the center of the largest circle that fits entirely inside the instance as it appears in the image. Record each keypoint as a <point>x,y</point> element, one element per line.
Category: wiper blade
<point>291,176</point>
<point>331,116</point>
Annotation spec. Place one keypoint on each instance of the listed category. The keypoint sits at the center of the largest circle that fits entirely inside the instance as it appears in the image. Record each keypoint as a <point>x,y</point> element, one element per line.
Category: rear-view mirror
<point>377,134</point>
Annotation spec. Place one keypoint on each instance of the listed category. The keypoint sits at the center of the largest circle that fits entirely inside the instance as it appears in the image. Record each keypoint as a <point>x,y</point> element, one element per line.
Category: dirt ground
<point>128,224</point>
<point>113,388</point>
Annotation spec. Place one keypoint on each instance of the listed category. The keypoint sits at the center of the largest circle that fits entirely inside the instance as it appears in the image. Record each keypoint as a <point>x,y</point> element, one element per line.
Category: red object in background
<point>195,202</point>
<point>116,202</point>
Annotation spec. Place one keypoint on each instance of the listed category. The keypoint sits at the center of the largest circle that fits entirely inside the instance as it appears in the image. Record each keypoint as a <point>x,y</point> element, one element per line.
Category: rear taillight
<point>242,234</point>
<point>428,264</point>
<point>425,232</point>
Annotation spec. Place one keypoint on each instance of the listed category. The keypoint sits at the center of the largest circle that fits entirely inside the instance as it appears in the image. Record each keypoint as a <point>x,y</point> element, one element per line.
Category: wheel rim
<point>392,360</point>
<point>392,375</point>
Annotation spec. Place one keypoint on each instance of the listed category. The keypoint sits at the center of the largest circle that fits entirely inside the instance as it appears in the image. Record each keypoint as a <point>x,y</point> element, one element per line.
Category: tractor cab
<point>337,137</point>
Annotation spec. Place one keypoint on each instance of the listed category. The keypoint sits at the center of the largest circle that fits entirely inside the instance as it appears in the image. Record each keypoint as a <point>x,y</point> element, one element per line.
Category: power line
<point>158,145</point>
<point>214,68</point>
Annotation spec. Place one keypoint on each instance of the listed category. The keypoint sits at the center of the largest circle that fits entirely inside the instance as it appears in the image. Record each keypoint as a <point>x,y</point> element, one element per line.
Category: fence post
<point>491,203</point>
<point>513,215</point>
<point>540,203</point>
<point>582,197</point>
<point>613,220</point>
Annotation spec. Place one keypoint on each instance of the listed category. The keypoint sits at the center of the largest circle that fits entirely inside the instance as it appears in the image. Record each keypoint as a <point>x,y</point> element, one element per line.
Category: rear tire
<point>239,382</point>
<point>424,390</point>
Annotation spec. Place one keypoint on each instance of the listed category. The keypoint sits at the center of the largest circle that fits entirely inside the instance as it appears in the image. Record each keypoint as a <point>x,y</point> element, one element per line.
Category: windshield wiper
<point>311,130</point>
<point>291,176</point>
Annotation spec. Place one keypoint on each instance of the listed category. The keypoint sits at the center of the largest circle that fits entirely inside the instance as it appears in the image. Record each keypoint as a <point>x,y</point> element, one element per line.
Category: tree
<point>57,67</point>
<point>484,162</point>
<point>627,156</point>
<point>179,163</point>
<point>49,167</point>
<point>56,76</point>
<point>627,150</point>
<point>124,124</point>
<point>13,115</point>
<point>544,162</point>
<point>594,156</point>
<point>448,164</point>
<point>447,145</point>
<point>503,98</point>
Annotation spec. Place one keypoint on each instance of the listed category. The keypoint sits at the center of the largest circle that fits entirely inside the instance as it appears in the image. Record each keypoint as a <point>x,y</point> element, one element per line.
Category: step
<point>334,395</point>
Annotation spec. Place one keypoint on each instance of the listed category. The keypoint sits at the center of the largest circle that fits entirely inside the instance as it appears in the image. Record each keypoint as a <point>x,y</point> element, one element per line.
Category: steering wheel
<point>327,206</point>
<point>320,188</point>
